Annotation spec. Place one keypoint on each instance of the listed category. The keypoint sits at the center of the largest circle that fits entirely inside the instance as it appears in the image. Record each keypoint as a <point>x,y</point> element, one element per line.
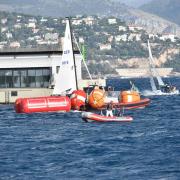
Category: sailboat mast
<point>73,53</point>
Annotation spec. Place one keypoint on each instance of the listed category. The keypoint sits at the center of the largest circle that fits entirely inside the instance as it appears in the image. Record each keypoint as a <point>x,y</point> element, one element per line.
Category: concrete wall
<point>9,95</point>
<point>143,72</point>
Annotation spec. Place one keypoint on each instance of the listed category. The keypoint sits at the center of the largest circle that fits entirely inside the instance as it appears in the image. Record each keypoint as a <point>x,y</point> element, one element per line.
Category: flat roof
<point>14,53</point>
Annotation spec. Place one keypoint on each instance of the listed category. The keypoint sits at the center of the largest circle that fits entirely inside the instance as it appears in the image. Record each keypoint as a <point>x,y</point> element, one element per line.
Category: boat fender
<point>97,98</point>
<point>78,99</point>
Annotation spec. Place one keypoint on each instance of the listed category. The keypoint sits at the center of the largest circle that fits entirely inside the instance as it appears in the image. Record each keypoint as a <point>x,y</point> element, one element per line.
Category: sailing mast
<point>66,79</point>
<point>152,82</point>
<point>75,70</point>
<point>152,67</point>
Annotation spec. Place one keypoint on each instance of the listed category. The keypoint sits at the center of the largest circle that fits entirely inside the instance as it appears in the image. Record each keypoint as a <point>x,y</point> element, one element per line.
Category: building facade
<point>33,72</point>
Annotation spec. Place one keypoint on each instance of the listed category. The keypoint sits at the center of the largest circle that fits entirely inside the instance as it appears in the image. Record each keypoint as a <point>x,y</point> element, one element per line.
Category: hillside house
<point>17,26</point>
<point>9,35</point>
<point>4,29</point>
<point>167,36</point>
<point>112,21</point>
<point>136,37</point>
<point>134,28</point>
<point>121,38</point>
<point>110,39</point>
<point>43,20</point>
<point>122,28</point>
<point>31,25</point>
<point>89,20</point>
<point>105,46</point>
<point>152,36</point>
<point>77,22</point>
<point>81,40</point>
<point>51,36</point>
<point>4,21</point>
<point>15,44</point>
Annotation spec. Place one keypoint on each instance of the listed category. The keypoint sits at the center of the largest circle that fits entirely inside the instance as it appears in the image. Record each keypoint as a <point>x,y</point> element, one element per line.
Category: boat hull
<point>160,93</point>
<point>130,105</point>
<point>90,117</point>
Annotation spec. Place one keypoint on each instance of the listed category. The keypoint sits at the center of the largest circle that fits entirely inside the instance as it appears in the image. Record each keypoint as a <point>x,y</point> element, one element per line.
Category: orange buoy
<point>43,104</point>
<point>78,99</point>
<point>129,96</point>
<point>97,98</point>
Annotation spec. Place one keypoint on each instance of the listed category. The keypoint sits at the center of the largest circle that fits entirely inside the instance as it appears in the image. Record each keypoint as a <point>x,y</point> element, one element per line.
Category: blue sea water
<point>61,146</point>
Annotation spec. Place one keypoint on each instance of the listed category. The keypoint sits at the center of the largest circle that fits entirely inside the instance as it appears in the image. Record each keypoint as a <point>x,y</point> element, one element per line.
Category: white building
<point>17,26</point>
<point>4,21</point>
<point>152,36</point>
<point>105,46</point>
<point>81,40</point>
<point>122,28</point>
<point>135,28</point>
<point>9,35</point>
<point>43,19</point>
<point>112,21</point>
<point>77,22</point>
<point>32,25</point>
<point>51,36</point>
<point>29,74</point>
<point>136,37</point>
<point>121,38</point>
<point>4,29</point>
<point>89,20</point>
<point>15,44</point>
<point>165,37</point>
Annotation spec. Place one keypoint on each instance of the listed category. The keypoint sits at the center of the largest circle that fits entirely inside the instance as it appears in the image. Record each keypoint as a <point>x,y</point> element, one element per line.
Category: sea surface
<point>59,146</point>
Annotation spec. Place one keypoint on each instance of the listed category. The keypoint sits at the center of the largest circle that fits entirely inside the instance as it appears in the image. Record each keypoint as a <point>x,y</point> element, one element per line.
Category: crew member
<point>109,109</point>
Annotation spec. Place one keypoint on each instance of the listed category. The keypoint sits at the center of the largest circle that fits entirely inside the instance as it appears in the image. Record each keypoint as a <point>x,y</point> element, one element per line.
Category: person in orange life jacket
<point>109,109</point>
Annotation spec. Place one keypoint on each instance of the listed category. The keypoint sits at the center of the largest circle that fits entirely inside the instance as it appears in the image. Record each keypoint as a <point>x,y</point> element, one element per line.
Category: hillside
<point>168,9</point>
<point>109,42</point>
<point>64,8</point>
<point>134,3</point>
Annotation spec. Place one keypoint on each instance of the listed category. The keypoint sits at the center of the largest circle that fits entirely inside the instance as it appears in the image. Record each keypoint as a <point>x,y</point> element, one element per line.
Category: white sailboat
<point>66,79</point>
<point>161,88</point>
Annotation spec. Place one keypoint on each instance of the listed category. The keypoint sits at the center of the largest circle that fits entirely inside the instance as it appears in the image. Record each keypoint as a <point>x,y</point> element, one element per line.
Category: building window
<point>24,78</point>
<point>57,69</point>
<point>14,93</point>
<point>16,78</point>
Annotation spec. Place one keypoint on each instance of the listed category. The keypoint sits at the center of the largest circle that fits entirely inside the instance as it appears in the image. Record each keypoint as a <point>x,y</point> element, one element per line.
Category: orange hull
<point>131,105</point>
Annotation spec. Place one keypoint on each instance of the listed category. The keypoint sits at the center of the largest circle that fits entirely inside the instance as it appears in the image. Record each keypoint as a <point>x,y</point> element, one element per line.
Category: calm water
<point>62,146</point>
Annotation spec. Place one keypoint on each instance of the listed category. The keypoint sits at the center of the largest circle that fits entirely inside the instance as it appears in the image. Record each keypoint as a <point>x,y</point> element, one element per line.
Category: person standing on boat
<point>109,110</point>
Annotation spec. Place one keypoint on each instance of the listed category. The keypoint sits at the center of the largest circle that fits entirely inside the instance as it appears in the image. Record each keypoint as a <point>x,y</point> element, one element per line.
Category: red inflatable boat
<point>89,117</point>
<point>43,104</point>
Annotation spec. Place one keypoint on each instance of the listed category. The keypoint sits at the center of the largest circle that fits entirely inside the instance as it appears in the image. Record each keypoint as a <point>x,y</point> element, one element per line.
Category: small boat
<point>90,117</point>
<point>159,88</point>
<point>142,103</point>
<point>126,100</point>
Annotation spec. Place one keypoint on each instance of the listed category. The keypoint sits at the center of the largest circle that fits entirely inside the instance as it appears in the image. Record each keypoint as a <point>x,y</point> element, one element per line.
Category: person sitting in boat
<point>173,88</point>
<point>166,88</point>
<point>109,110</point>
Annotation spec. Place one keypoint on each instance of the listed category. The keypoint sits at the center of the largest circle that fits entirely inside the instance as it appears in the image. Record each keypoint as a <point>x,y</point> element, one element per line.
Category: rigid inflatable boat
<point>126,100</point>
<point>89,117</point>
